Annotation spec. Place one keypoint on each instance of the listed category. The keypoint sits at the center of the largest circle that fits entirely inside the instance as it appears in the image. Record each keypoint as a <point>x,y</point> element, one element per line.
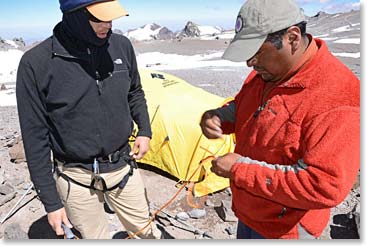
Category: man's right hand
<point>55,219</point>
<point>211,125</point>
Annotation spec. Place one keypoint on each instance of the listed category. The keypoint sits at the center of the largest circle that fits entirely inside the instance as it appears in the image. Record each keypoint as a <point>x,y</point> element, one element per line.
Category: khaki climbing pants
<point>85,207</point>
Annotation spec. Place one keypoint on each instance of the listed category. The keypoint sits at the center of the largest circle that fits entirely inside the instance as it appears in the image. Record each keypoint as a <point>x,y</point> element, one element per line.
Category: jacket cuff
<point>145,134</point>
<point>52,208</point>
<point>49,198</point>
<point>241,175</point>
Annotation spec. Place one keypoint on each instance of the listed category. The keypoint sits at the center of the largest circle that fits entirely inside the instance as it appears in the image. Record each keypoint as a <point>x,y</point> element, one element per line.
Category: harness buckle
<point>114,157</point>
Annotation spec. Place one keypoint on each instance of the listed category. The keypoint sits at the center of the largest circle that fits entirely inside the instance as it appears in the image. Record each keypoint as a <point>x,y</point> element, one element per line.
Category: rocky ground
<point>29,221</point>
<point>214,219</point>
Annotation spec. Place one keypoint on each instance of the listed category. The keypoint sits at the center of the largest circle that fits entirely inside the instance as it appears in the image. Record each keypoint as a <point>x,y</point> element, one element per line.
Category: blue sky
<point>34,19</point>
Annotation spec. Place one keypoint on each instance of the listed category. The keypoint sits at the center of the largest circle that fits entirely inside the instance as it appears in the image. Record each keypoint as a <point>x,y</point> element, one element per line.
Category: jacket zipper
<point>282,213</point>
<point>99,83</point>
<point>265,93</point>
<point>98,76</point>
<point>65,56</point>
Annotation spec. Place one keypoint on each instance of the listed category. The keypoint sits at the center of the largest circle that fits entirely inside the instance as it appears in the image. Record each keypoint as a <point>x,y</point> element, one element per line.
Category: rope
<point>173,197</point>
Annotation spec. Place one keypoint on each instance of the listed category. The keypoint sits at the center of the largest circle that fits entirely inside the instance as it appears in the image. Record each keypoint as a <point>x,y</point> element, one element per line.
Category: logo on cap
<point>239,24</point>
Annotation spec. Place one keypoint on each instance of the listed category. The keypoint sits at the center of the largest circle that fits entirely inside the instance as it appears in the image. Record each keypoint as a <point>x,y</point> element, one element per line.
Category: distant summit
<point>16,43</point>
<point>194,30</point>
<point>149,32</point>
<point>319,16</point>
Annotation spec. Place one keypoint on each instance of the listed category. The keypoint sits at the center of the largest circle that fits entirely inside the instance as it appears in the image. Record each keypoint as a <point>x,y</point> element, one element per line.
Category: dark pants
<point>245,232</point>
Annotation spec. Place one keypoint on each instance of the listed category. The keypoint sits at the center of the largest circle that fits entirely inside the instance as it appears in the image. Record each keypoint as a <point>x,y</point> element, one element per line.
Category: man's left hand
<point>222,165</point>
<point>141,147</point>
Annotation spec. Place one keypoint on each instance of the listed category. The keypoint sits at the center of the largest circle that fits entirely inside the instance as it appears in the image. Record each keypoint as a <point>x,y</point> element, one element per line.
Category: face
<point>270,63</point>
<point>101,28</point>
<point>273,64</point>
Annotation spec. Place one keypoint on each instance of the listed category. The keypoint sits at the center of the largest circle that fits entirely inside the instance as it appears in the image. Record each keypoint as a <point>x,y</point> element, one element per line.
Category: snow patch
<point>9,61</point>
<point>348,41</point>
<point>352,55</point>
<point>346,28</point>
<point>160,61</point>
<point>12,43</point>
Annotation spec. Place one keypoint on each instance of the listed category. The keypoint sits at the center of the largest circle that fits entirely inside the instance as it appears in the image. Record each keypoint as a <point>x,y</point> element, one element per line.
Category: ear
<point>294,38</point>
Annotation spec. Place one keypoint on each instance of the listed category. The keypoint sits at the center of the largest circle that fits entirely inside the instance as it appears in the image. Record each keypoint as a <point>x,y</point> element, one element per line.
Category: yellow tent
<point>177,147</point>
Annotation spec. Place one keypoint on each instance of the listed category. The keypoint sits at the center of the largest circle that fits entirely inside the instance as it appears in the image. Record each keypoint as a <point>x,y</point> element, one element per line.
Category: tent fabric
<point>177,146</point>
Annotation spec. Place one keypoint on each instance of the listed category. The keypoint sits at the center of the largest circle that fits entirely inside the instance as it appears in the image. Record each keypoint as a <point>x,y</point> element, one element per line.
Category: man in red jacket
<point>296,121</point>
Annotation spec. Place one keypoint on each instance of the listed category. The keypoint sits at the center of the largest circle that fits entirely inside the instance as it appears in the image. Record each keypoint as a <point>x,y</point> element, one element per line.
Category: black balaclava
<point>76,25</point>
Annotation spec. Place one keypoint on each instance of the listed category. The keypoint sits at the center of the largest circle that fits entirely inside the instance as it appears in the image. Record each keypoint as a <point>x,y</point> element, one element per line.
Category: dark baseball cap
<point>104,10</point>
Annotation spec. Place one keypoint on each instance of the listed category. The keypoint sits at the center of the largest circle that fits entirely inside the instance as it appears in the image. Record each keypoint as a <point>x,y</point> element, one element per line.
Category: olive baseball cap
<point>257,19</point>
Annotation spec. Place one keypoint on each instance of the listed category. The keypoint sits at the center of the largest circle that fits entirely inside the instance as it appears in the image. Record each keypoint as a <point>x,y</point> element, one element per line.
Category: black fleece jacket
<point>78,101</point>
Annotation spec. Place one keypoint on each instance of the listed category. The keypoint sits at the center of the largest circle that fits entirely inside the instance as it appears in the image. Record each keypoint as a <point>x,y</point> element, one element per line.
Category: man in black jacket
<point>78,93</point>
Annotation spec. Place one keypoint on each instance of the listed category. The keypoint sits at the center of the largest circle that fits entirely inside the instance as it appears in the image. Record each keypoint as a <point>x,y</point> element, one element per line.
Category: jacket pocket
<point>272,130</point>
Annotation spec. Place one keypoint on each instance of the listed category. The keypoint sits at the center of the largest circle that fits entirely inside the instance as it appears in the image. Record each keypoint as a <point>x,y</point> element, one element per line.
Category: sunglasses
<point>92,17</point>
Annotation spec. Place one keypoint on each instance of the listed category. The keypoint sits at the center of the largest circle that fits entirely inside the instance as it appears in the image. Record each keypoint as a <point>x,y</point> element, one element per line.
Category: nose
<point>252,61</point>
<point>107,24</point>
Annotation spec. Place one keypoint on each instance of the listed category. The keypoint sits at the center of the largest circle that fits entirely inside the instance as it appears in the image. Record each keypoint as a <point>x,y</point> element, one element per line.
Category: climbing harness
<point>97,178</point>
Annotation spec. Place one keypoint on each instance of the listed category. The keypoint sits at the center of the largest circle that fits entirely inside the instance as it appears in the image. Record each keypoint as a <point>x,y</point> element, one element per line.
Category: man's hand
<point>141,147</point>
<point>222,165</point>
<point>211,125</point>
<point>55,219</point>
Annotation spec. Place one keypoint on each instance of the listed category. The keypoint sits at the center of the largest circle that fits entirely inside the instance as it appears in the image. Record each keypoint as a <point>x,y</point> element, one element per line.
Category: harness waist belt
<point>107,163</point>
<point>98,178</point>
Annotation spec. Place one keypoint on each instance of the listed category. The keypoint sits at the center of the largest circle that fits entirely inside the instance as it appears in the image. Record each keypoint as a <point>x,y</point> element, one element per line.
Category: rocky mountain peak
<point>191,29</point>
<point>15,43</point>
<point>154,26</point>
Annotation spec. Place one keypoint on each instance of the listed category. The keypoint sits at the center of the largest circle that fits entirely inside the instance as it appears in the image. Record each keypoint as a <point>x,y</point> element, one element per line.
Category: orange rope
<point>170,200</point>
<point>190,193</point>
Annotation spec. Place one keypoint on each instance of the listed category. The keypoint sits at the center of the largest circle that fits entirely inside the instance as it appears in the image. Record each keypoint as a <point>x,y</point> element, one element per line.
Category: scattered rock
<point>7,198</point>
<point>357,217</point>
<point>9,136</point>
<point>3,87</point>
<point>228,191</point>
<point>16,153</point>
<point>6,189</point>
<point>209,203</point>
<point>225,211</point>
<point>232,230</point>
<point>197,213</point>
<point>182,216</point>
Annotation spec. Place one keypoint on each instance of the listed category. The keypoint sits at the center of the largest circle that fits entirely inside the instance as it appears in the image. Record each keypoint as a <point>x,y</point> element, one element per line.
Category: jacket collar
<point>60,48</point>
<point>304,75</point>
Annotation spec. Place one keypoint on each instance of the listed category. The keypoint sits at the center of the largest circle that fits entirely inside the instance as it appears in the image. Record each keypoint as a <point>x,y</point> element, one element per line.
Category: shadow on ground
<point>344,227</point>
<point>41,229</point>
<point>157,171</point>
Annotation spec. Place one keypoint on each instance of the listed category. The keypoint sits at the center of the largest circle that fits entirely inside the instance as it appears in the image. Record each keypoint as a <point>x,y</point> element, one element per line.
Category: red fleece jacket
<point>301,149</point>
